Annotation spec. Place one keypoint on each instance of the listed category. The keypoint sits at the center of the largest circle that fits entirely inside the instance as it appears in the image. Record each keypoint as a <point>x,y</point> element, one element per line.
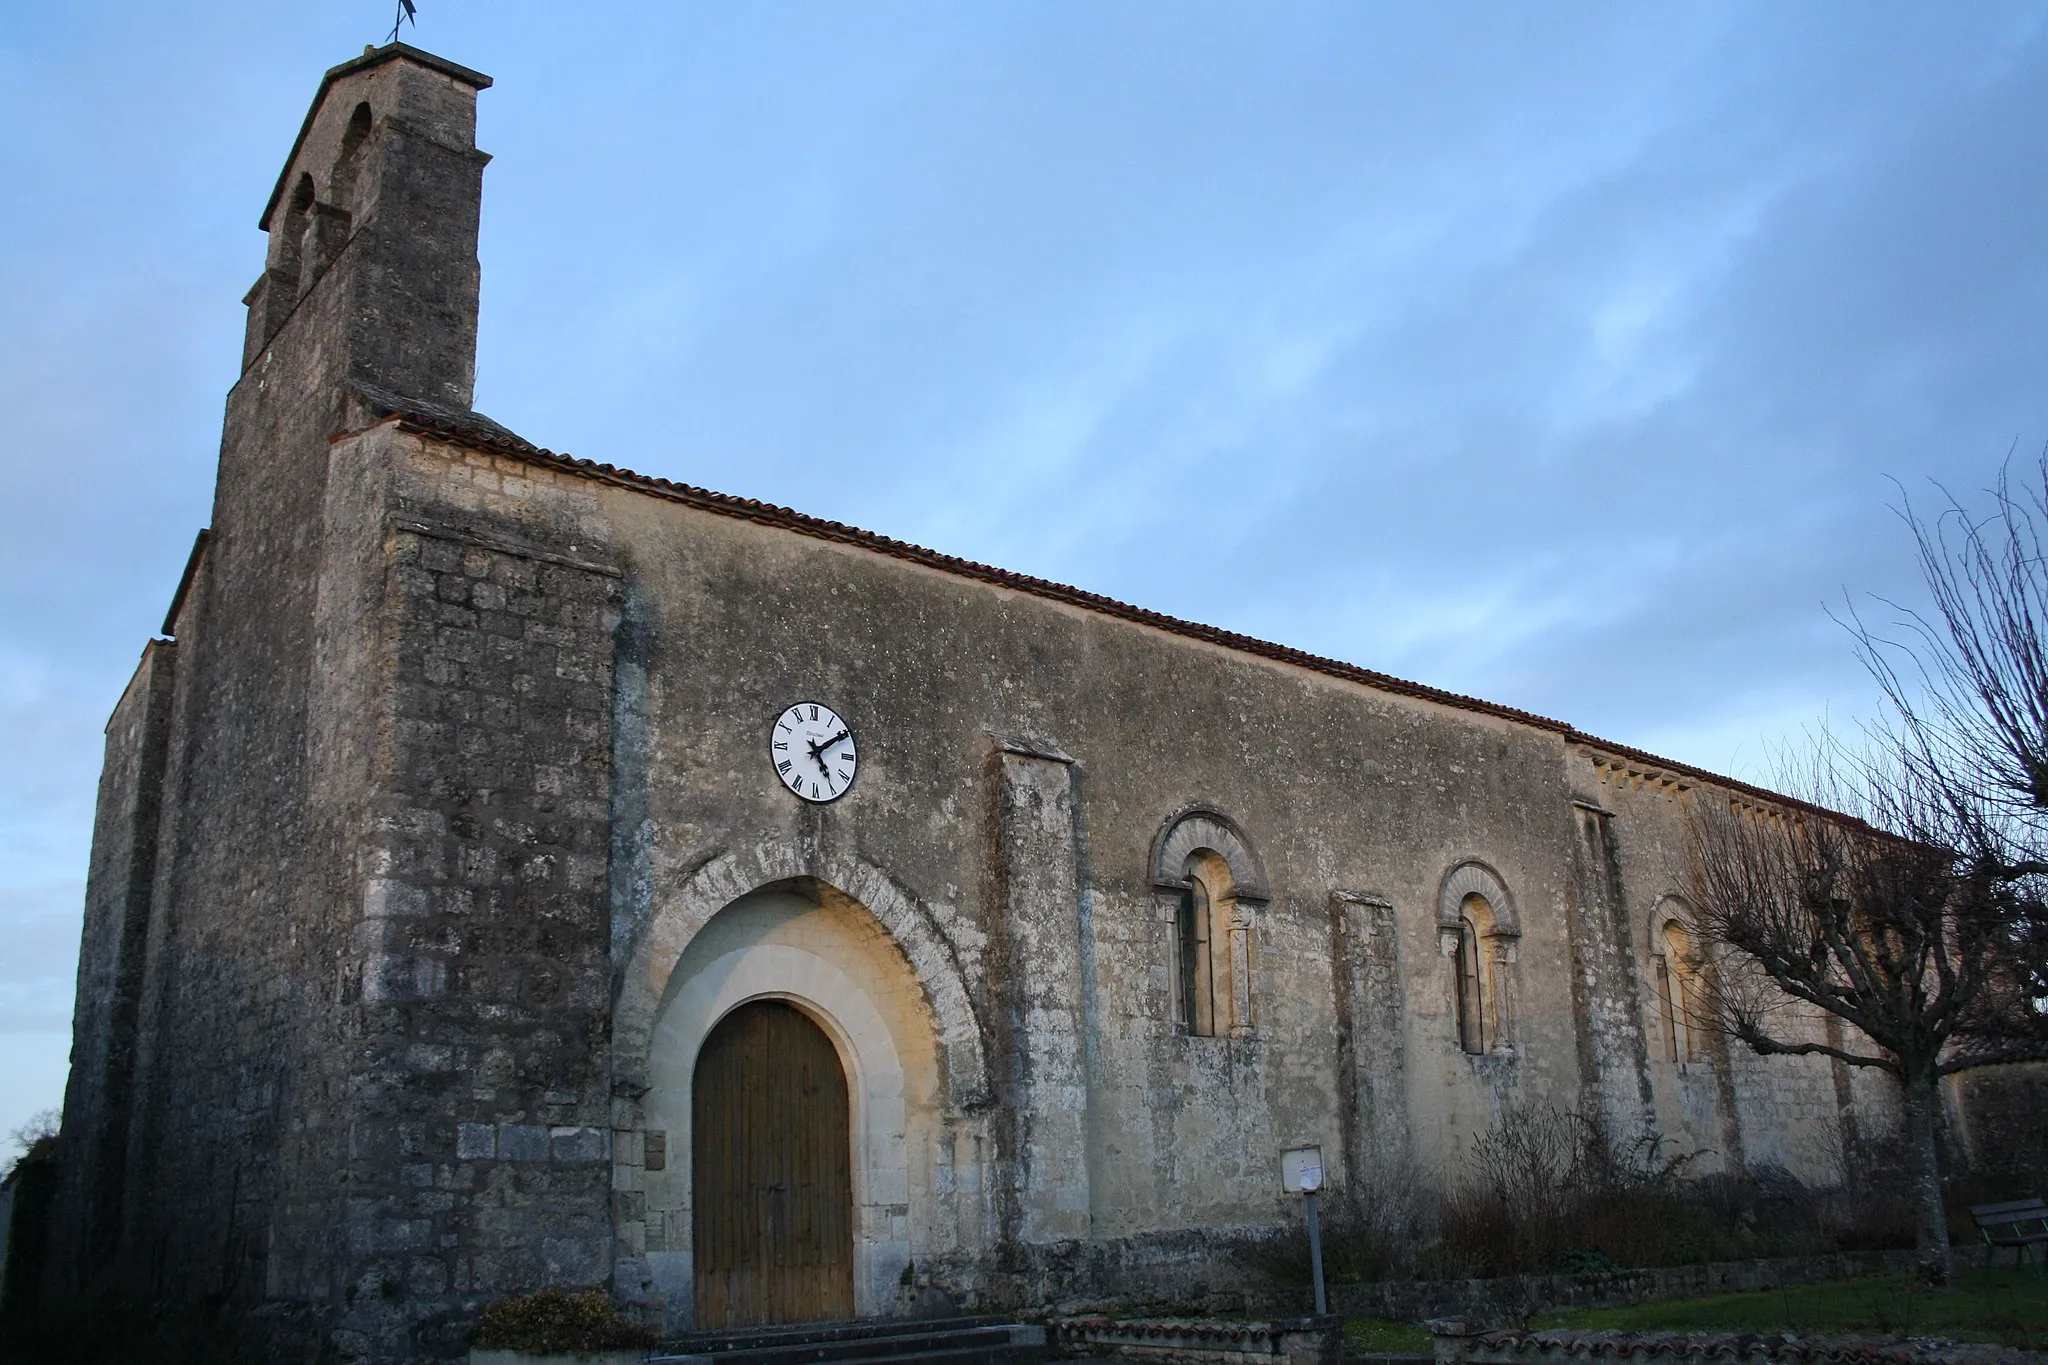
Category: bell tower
<point>371,274</point>
<point>225,854</point>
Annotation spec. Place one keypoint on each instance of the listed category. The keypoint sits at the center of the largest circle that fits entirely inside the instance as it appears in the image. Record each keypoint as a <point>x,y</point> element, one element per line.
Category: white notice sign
<point>1301,1170</point>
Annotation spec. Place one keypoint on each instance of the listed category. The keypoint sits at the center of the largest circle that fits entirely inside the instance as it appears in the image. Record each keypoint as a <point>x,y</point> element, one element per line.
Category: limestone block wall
<point>1688,1102</point>
<point>1371,1084</point>
<point>472,1112</point>
<point>481,976</point>
<point>1997,1126</point>
<point>1020,824</point>
<point>1016,824</point>
<point>86,1220</point>
<point>237,1087</point>
<point>1607,1001</point>
<point>1042,969</point>
<point>1727,1105</point>
<point>225,983</point>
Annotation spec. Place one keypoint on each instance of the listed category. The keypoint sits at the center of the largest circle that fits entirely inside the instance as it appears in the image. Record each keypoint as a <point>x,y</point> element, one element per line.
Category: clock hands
<point>818,751</point>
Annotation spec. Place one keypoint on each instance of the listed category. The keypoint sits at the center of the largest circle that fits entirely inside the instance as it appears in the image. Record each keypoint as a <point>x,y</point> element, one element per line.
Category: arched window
<point>1478,930</point>
<point>1478,991</point>
<point>1205,933</point>
<point>1202,861</point>
<point>333,216</point>
<point>342,186</point>
<point>1678,988</point>
<point>298,218</point>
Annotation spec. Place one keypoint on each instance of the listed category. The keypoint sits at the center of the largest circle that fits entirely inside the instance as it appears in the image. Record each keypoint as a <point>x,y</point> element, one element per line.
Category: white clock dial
<point>813,753</point>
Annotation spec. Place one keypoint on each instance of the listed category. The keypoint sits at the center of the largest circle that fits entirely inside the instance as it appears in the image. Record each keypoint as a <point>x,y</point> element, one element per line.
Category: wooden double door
<point>772,1170</point>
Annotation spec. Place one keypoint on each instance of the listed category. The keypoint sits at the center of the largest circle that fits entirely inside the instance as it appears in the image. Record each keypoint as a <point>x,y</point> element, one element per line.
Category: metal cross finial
<point>405,12</point>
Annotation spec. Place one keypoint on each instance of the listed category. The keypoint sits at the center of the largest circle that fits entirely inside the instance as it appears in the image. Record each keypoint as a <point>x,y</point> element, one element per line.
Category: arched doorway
<point>808,944</point>
<point>771,1161</point>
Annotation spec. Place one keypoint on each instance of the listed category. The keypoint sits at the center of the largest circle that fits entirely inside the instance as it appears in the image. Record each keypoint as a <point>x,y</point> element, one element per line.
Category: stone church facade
<point>455,926</point>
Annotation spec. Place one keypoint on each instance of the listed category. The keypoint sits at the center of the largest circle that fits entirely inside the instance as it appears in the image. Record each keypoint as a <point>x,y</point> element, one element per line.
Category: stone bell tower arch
<point>373,228</point>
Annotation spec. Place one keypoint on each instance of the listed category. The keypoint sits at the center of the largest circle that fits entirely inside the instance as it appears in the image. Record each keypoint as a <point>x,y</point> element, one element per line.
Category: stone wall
<point>1181,1131</point>
<point>1459,1343</point>
<point>117,902</point>
<point>1516,1298</point>
<point>1202,1341</point>
<point>243,1095</point>
<point>1730,1108</point>
<point>479,1149</point>
<point>2000,1140</point>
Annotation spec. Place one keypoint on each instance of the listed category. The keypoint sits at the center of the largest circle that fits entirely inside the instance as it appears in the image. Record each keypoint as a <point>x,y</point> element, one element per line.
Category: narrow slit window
<point>1197,962</point>
<point>1679,976</point>
<point>1670,1012</point>
<point>1471,987</point>
<point>1209,949</point>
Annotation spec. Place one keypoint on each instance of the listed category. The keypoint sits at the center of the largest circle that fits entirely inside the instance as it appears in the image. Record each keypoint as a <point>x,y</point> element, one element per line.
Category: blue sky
<point>1559,354</point>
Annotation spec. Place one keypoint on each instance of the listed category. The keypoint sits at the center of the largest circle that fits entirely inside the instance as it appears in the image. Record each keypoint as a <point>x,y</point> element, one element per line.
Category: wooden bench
<point>2021,1224</point>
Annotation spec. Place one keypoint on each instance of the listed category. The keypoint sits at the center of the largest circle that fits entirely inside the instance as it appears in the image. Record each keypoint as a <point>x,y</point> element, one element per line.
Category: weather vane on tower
<point>405,12</point>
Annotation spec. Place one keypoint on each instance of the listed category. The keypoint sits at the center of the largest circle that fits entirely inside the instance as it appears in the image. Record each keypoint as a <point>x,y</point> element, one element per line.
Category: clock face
<point>813,752</point>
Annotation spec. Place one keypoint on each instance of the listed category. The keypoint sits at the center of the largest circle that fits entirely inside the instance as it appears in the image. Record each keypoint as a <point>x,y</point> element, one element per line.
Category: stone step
<point>866,1350</point>
<point>1011,1354</point>
<point>845,1329</point>
<point>944,1341</point>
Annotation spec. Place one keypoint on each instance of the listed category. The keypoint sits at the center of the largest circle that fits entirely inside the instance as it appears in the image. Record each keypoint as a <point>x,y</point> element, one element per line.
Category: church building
<point>510,869</point>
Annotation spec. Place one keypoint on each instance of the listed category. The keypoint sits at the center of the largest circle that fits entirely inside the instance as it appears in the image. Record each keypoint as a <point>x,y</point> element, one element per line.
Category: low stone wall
<point>1517,1297</point>
<point>1460,1343</point>
<point>1203,1341</point>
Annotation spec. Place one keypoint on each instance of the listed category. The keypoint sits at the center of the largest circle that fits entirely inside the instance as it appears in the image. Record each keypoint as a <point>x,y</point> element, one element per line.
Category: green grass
<point>1377,1335</point>
<point>2006,1306</point>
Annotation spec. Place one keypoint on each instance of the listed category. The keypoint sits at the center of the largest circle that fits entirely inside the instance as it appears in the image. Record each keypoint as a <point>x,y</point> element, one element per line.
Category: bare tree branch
<point>1920,916</point>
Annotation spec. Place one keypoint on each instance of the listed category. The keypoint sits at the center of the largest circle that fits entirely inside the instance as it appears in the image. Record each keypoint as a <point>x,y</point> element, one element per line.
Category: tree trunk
<point>1923,1108</point>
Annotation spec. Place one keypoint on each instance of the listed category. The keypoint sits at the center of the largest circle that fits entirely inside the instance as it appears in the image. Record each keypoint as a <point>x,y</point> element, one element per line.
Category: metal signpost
<point>1301,1172</point>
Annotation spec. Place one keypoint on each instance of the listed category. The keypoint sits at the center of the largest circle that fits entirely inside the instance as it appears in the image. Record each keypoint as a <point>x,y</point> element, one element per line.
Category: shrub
<point>1374,1233</point>
<point>553,1321</point>
<point>1352,1253</point>
<point>1547,1190</point>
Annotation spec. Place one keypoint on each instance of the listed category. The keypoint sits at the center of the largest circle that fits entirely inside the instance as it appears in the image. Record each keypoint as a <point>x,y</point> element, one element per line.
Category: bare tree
<point>1907,895</point>
<point>1801,911</point>
<point>39,1128</point>
<point>1968,685</point>
<point>1968,694</point>
<point>1968,733</point>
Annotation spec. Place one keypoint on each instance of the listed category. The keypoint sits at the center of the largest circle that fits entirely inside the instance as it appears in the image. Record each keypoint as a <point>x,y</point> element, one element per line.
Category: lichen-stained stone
<point>1043,1155</point>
